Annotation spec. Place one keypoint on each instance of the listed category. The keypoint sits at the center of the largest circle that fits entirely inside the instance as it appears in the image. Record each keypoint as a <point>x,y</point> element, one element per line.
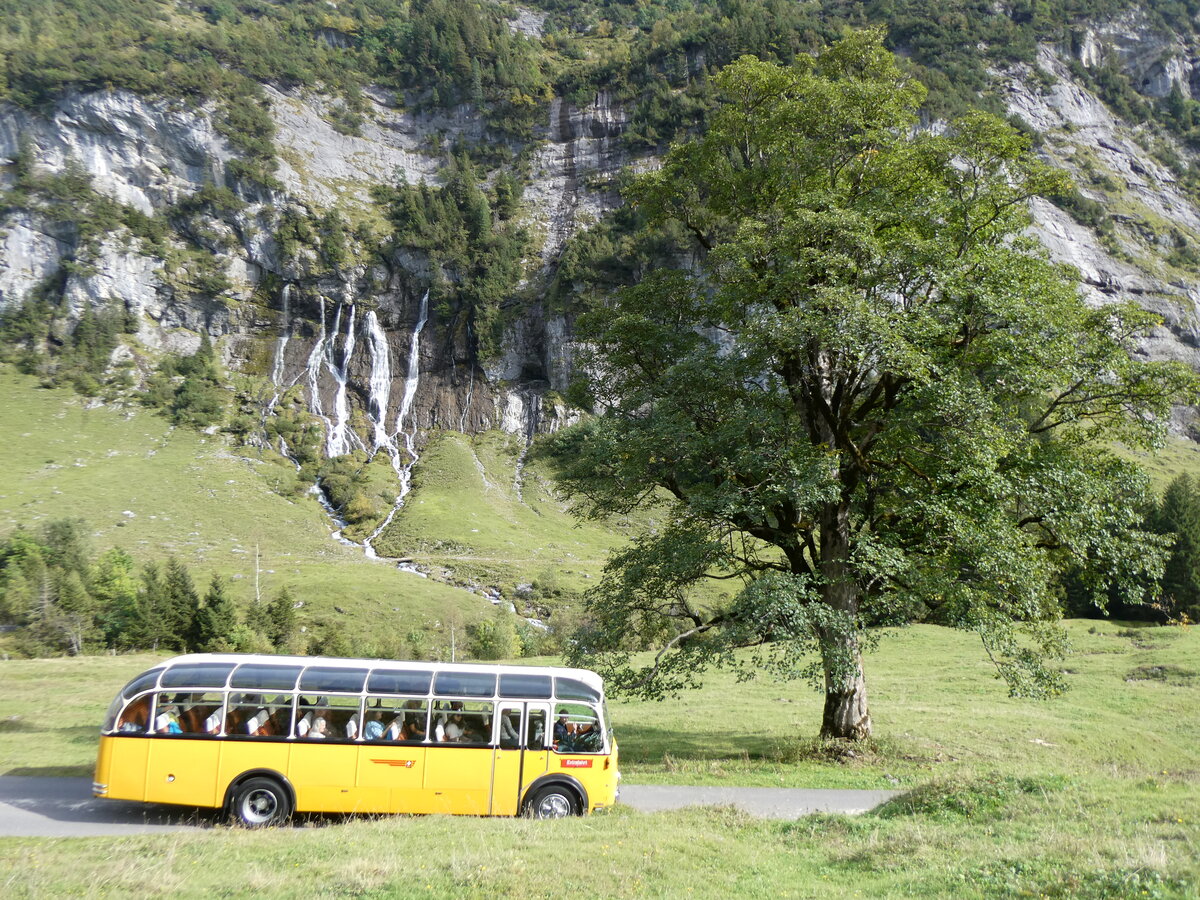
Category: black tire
<point>553,802</point>
<point>259,802</point>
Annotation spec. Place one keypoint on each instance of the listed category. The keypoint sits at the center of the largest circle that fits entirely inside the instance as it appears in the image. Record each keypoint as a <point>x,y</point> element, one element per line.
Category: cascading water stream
<point>412,380</point>
<point>281,344</point>
<point>380,389</point>
<point>462,420</point>
<point>340,439</point>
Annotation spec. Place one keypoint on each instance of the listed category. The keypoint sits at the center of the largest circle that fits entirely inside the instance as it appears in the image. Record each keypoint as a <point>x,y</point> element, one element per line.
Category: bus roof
<point>587,676</point>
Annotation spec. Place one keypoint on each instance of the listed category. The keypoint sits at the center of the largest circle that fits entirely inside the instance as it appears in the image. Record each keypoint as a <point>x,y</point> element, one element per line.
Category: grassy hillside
<point>156,491</point>
<point>465,515</point>
<point>1094,795</point>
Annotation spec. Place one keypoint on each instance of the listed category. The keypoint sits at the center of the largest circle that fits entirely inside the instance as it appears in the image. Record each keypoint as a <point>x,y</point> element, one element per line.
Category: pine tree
<point>216,621</point>
<point>1179,514</point>
<point>152,620</point>
<point>74,617</point>
<point>281,619</point>
<point>115,588</point>
<point>182,604</point>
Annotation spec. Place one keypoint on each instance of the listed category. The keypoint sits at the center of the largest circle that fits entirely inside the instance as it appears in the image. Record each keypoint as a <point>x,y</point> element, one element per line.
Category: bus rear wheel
<point>553,802</point>
<point>259,802</point>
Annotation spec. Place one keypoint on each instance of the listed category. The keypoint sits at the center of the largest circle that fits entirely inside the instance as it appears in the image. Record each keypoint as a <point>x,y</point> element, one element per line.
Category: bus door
<point>521,754</point>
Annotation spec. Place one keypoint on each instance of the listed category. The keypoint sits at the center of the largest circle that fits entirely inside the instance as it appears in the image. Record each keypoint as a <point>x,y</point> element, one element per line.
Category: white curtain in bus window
<point>463,722</point>
<point>327,717</point>
<point>259,715</point>
<point>191,712</point>
<point>577,729</point>
<point>396,720</point>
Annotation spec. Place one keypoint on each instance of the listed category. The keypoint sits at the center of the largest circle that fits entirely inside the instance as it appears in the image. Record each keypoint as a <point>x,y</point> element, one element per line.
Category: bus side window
<point>135,716</point>
<point>396,719</point>
<point>329,717</point>
<point>199,713</point>
<point>581,732</point>
<point>537,730</point>
<point>258,715</point>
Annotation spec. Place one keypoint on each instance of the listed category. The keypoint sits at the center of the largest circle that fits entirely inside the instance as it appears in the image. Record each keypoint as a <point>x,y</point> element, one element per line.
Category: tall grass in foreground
<point>1093,795</point>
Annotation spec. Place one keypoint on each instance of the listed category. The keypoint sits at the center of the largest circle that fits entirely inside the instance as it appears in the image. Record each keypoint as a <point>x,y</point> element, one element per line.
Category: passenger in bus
<point>562,732</point>
<point>319,730</point>
<point>305,723</point>
<point>477,729</point>
<point>510,731</point>
<point>373,730</point>
<point>589,738</point>
<point>352,727</point>
<point>167,721</point>
<point>414,722</point>
<point>395,729</point>
<point>451,727</point>
<point>212,725</point>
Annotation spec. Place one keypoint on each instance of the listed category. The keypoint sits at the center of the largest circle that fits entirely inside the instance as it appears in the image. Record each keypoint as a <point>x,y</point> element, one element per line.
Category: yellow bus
<point>265,736</point>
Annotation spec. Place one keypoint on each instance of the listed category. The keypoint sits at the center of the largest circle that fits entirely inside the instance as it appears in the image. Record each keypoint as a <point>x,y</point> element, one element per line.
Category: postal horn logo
<point>396,763</point>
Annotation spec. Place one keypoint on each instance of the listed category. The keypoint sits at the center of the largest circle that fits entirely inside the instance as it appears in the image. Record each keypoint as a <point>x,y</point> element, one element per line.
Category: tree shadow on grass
<point>648,744</point>
<point>55,771</point>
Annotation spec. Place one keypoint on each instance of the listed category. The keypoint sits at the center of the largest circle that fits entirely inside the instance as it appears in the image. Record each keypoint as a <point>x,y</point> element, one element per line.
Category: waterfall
<point>413,376</point>
<point>462,420</point>
<point>341,438</point>
<point>412,379</point>
<point>313,369</point>
<point>277,365</point>
<point>531,420</point>
<point>381,387</point>
<point>277,369</point>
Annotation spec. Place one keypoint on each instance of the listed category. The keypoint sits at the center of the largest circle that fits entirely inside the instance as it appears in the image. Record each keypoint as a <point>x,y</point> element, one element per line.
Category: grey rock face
<point>152,154</point>
<point>1154,58</point>
<point>1081,136</point>
<point>143,153</point>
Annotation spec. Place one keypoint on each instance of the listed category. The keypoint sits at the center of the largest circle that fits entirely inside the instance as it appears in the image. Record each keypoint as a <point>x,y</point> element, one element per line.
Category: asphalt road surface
<point>64,807</point>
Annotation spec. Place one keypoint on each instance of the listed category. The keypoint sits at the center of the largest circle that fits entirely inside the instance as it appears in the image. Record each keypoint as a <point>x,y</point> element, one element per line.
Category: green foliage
<point>475,248</point>
<point>63,600</point>
<point>462,51</point>
<point>876,398</point>
<point>494,637</point>
<point>1177,517</point>
<point>216,621</point>
<point>344,481</point>
<point>280,620</point>
<point>981,798</point>
<point>188,389</point>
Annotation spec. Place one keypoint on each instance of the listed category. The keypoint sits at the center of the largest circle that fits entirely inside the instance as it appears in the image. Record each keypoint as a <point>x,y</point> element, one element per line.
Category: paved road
<point>766,803</point>
<point>65,807</point>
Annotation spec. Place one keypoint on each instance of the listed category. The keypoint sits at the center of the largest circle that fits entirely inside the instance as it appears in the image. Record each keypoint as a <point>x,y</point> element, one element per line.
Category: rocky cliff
<point>342,338</point>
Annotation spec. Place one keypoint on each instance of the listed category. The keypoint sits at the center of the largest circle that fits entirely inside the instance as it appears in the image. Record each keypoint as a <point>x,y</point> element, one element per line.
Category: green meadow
<point>1095,794</point>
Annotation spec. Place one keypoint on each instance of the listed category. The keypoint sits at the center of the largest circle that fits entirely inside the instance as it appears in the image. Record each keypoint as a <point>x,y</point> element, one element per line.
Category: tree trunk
<point>846,714</point>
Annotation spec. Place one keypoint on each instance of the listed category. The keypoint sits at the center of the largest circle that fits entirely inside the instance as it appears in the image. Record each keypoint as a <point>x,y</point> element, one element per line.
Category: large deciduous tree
<point>870,399</point>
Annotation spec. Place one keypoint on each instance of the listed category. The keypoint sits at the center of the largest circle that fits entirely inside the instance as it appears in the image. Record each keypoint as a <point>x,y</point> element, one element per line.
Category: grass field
<point>1094,795</point>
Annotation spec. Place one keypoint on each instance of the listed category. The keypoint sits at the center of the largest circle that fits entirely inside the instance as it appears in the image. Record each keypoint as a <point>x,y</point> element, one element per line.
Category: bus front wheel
<point>261,801</point>
<point>553,802</point>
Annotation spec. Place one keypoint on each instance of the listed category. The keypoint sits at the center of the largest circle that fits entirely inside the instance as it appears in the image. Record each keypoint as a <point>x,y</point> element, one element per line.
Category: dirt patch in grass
<point>1165,673</point>
<point>1149,638</point>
